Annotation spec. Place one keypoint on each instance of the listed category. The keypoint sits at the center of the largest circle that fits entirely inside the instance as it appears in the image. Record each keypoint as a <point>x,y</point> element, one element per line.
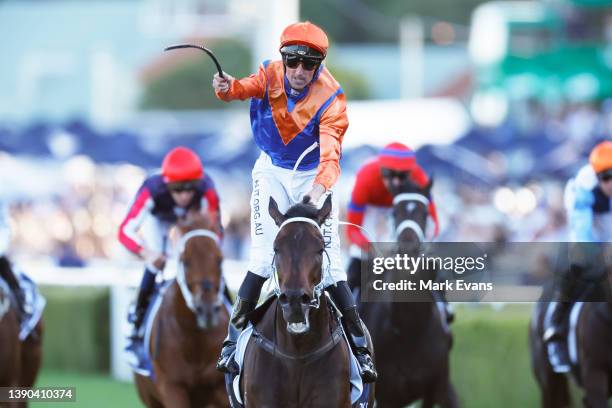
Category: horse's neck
<point>318,334</point>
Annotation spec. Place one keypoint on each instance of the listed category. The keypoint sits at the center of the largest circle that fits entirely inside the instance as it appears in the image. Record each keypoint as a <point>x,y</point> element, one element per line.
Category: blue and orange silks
<point>285,124</point>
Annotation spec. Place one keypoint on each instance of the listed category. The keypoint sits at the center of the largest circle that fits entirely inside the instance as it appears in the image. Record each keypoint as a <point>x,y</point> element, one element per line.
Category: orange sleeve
<point>253,86</point>
<point>332,127</point>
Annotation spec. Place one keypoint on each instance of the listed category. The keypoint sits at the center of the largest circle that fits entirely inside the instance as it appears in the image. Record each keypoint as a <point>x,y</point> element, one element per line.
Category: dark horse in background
<point>593,336</point>
<point>19,360</point>
<point>189,327</point>
<point>411,341</point>
<point>297,356</point>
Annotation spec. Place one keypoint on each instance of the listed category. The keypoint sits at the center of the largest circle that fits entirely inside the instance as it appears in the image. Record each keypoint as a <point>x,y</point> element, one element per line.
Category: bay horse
<point>593,345</point>
<point>189,328</point>
<point>20,361</point>
<point>297,356</point>
<point>411,343</point>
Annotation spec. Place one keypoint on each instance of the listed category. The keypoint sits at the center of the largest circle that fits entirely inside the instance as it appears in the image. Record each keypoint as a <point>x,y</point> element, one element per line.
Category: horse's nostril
<point>305,299</point>
<point>283,299</point>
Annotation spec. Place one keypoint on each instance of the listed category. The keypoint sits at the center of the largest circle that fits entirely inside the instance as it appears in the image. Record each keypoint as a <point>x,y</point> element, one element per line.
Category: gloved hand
<point>222,85</point>
<point>153,258</point>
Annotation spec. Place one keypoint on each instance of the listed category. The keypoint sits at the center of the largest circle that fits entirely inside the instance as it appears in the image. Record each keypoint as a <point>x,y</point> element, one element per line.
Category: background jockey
<point>588,201</point>
<point>7,272</point>
<point>372,200</point>
<point>298,118</point>
<point>164,198</point>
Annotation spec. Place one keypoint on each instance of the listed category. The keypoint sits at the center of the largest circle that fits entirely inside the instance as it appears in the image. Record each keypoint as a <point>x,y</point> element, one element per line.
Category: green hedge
<point>490,362</point>
<point>77,329</point>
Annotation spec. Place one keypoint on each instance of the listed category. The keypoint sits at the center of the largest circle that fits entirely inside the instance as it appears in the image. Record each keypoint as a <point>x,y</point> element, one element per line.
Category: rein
<point>180,276</point>
<point>270,345</point>
<point>410,224</point>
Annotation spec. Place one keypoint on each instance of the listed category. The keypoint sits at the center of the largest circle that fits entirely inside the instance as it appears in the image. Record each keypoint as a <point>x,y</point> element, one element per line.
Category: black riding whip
<point>206,50</point>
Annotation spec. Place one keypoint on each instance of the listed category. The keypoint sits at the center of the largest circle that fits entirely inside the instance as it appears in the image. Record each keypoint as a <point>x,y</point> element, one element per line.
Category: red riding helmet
<point>397,156</point>
<point>181,164</point>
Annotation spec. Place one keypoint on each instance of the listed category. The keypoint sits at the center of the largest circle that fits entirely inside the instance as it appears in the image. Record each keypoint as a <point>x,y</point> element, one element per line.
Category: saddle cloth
<point>359,392</point>
<point>572,343</point>
<point>141,361</point>
<point>34,304</point>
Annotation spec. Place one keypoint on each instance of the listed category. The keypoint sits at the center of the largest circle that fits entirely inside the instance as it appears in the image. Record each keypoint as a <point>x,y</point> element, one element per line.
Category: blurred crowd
<point>76,220</point>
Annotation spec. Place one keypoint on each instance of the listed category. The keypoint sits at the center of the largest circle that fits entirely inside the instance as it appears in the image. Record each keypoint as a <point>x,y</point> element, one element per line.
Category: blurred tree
<point>354,85</point>
<point>187,86</point>
<point>378,20</point>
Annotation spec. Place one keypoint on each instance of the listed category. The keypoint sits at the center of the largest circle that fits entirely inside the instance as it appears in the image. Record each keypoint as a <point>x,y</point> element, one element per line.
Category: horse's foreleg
<point>595,389</point>
<point>174,395</point>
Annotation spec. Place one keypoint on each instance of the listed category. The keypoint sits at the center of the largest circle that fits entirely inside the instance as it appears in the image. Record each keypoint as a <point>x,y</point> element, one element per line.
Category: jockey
<point>588,201</point>
<point>298,118</point>
<point>372,196</point>
<point>7,272</point>
<point>164,198</point>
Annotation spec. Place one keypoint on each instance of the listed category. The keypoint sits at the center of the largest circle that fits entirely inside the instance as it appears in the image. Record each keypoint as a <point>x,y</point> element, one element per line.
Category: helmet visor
<point>302,51</point>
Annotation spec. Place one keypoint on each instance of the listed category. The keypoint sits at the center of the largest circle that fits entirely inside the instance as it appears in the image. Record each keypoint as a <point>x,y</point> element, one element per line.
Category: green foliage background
<point>188,87</point>
<point>378,20</point>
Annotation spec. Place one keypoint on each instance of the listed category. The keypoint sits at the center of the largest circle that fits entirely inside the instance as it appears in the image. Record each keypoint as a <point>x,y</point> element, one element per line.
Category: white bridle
<point>413,225</point>
<point>180,276</point>
<point>318,288</point>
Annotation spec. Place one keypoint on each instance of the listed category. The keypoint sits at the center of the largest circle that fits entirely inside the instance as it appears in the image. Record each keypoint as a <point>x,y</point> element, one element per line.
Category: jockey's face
<point>299,77</point>
<point>392,179</point>
<point>605,182</point>
<point>182,198</point>
<point>182,193</point>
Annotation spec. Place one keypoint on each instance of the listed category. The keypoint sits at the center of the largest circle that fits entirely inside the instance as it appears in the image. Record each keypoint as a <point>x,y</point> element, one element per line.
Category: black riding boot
<point>440,297</point>
<point>353,274</point>
<point>342,297</point>
<point>6,273</point>
<point>248,295</point>
<point>147,284</point>
<point>555,335</point>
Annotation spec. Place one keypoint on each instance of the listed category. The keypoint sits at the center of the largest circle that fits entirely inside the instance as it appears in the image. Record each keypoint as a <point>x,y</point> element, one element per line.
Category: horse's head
<point>199,275</point>
<point>410,212</point>
<point>298,258</point>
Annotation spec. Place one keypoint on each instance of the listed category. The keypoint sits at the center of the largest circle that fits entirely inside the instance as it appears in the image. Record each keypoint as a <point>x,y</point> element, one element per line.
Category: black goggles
<point>605,176</point>
<point>308,63</point>
<point>182,186</point>
<point>390,174</point>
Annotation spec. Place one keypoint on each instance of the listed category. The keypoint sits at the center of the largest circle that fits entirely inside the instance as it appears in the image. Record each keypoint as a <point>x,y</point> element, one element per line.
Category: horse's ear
<point>429,186</point>
<point>325,210</point>
<point>275,213</point>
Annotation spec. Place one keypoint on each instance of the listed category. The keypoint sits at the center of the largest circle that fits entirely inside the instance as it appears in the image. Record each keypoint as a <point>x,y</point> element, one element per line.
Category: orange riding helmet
<point>306,34</point>
<point>601,157</point>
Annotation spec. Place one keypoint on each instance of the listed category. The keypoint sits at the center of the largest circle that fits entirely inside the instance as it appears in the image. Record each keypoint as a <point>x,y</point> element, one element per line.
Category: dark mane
<point>303,209</point>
